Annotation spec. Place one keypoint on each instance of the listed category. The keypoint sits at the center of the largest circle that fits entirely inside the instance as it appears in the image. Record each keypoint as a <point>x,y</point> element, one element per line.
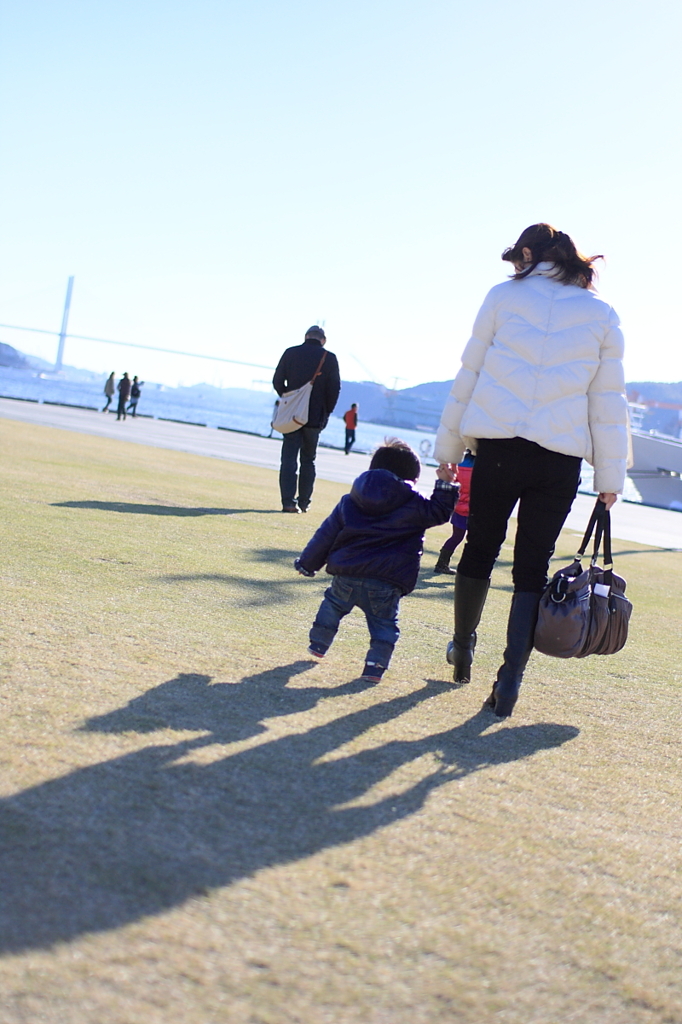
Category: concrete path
<point>631,522</point>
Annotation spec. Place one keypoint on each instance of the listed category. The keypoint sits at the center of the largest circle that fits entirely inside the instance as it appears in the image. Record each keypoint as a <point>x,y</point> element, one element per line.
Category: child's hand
<point>302,569</point>
<point>446,473</point>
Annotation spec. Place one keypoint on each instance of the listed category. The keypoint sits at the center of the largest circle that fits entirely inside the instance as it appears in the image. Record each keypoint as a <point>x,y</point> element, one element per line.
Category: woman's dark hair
<point>397,457</point>
<point>548,245</point>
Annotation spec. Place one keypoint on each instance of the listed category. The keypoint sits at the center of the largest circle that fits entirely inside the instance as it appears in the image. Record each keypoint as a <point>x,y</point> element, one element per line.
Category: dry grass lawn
<point>198,824</point>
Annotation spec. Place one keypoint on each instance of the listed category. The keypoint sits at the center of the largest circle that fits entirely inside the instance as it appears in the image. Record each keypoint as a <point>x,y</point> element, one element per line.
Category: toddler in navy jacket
<point>371,544</point>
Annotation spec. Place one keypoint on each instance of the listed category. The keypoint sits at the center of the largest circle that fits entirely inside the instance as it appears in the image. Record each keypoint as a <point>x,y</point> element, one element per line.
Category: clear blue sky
<point>218,175</point>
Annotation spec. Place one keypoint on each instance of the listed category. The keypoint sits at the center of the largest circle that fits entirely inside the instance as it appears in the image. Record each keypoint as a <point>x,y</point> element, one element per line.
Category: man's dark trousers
<point>303,443</point>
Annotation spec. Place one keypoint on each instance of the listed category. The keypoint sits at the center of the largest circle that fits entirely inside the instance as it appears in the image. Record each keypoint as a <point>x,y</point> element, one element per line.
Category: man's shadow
<point>261,590</point>
<point>134,508</point>
<point>142,833</point>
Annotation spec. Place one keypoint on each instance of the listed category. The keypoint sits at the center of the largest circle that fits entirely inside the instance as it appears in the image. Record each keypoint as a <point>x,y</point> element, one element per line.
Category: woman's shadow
<point>140,834</point>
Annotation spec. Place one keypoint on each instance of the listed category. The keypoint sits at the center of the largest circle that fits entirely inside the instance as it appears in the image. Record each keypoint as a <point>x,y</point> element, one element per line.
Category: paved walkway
<point>631,522</point>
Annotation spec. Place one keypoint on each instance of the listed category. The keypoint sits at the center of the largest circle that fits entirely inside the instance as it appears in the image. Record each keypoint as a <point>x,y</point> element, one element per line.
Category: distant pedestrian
<point>350,418</point>
<point>109,390</point>
<point>459,517</point>
<point>274,416</point>
<point>124,386</point>
<point>135,395</point>
<point>371,544</point>
<point>299,365</point>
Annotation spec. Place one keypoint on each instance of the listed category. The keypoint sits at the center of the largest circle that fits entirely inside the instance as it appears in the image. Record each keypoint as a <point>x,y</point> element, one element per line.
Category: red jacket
<point>464,481</point>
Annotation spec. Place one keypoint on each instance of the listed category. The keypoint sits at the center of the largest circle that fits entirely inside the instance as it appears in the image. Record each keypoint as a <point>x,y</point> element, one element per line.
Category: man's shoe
<point>290,508</point>
<point>317,650</point>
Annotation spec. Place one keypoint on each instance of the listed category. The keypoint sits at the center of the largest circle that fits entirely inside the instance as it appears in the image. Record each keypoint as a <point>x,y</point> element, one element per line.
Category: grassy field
<point>198,824</point>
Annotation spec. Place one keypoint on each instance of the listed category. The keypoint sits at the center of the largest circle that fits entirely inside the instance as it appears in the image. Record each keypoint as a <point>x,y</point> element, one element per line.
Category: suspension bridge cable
<point>133,344</point>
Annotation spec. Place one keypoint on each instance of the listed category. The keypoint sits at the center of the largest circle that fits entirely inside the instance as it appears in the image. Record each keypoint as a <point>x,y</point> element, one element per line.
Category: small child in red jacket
<point>459,516</point>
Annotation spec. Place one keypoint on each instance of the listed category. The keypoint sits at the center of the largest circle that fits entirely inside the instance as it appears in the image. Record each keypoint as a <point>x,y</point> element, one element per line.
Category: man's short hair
<point>397,457</point>
<point>317,333</point>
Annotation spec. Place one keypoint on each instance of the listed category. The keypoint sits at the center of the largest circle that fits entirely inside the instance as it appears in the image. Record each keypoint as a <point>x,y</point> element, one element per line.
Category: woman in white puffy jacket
<point>541,387</point>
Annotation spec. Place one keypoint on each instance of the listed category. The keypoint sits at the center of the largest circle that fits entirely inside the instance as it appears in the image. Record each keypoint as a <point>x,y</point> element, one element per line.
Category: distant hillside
<point>17,360</point>
<point>421,406</point>
<point>414,408</point>
<point>411,408</point>
<point>10,357</point>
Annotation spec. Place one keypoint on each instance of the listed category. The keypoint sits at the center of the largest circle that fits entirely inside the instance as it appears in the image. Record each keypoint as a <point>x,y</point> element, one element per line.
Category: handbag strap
<point>318,371</point>
<point>601,519</point>
<point>608,557</point>
<point>596,519</point>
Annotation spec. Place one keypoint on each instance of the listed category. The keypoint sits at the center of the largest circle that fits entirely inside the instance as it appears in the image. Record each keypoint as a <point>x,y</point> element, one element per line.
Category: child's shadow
<point>229,711</point>
<point>142,833</point>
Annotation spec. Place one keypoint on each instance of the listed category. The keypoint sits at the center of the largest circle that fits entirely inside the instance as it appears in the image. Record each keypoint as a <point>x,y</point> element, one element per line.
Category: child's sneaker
<point>373,671</point>
<point>318,650</point>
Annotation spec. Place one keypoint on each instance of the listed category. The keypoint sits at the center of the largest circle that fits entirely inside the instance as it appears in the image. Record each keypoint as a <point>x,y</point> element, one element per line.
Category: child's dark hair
<point>397,457</point>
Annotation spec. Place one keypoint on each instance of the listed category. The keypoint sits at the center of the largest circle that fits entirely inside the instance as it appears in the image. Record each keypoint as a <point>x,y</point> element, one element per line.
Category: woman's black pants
<point>544,483</point>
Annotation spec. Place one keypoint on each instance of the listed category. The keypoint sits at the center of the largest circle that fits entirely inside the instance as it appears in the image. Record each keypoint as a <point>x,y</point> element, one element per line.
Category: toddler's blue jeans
<point>377,599</point>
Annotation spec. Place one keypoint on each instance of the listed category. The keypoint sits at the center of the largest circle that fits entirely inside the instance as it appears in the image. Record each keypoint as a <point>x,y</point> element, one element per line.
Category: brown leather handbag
<point>585,611</point>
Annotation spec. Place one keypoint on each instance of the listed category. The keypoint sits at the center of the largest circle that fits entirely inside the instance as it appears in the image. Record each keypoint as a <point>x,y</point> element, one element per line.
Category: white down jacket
<point>545,363</point>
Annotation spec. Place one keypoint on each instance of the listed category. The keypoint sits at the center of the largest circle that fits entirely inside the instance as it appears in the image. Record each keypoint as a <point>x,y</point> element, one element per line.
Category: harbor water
<point>226,408</point>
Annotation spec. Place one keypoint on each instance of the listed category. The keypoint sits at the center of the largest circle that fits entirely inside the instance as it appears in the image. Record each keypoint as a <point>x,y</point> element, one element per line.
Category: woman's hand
<point>608,498</point>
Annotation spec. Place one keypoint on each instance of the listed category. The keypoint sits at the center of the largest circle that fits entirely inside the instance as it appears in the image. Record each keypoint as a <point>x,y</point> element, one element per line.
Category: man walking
<point>123,395</point>
<point>297,366</point>
<point>350,418</point>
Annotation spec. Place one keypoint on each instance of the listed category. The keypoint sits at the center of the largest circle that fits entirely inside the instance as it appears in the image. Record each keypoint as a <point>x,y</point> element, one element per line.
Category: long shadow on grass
<point>226,711</point>
<point>264,591</point>
<point>432,586</point>
<point>158,510</point>
<point>140,834</point>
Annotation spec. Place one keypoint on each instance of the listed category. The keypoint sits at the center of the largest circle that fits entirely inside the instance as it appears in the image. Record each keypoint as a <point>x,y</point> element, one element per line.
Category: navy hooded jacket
<point>377,531</point>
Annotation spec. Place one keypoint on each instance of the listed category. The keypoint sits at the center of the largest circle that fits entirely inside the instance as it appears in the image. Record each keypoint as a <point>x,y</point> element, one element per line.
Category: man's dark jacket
<point>296,368</point>
<point>377,531</point>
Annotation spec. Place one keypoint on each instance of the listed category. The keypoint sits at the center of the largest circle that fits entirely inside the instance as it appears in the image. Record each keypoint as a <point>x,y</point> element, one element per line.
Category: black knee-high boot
<point>523,616</point>
<point>470,595</point>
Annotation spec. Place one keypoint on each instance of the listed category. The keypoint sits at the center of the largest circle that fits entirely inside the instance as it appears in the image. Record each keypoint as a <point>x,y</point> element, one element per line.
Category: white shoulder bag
<point>292,412</point>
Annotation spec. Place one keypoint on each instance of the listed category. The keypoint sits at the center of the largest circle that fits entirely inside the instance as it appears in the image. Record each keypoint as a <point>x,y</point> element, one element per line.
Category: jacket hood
<point>379,491</point>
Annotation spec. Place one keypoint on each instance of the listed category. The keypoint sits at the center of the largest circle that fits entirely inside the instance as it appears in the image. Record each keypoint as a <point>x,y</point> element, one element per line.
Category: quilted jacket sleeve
<point>316,551</point>
<point>439,507</point>
<point>450,445</point>
<point>608,413</point>
<point>332,384</point>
